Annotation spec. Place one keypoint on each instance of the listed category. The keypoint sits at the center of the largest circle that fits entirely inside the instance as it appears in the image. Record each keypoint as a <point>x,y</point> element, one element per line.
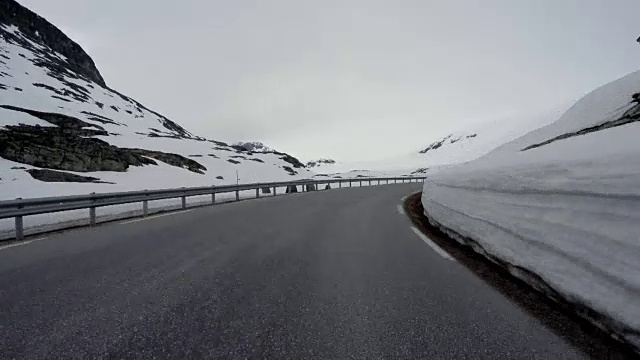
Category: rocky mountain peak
<point>40,31</point>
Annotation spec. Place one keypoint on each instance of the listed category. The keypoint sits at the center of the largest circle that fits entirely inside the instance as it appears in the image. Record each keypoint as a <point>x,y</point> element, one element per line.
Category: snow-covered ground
<point>562,201</point>
<point>129,125</point>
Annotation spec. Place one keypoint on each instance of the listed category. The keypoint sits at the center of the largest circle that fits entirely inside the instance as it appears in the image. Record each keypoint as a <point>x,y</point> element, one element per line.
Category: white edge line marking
<point>400,210</point>
<point>155,216</point>
<point>431,244</point>
<point>22,243</point>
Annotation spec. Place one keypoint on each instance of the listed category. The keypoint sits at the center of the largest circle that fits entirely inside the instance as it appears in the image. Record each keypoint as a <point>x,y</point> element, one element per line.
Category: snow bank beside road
<point>567,210</point>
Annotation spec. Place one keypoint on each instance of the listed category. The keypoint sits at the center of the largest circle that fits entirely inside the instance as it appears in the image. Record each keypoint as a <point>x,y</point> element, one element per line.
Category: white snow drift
<point>562,201</point>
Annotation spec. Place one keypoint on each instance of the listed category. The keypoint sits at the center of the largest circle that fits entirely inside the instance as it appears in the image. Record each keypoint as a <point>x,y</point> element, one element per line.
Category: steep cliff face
<point>37,29</point>
<point>56,113</point>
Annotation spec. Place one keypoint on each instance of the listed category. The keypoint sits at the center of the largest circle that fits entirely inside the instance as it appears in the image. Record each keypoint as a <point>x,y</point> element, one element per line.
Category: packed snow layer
<point>568,210</point>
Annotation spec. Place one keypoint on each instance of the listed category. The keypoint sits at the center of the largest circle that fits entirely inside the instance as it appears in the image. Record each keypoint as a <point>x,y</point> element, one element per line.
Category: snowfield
<point>562,201</point>
<point>127,123</point>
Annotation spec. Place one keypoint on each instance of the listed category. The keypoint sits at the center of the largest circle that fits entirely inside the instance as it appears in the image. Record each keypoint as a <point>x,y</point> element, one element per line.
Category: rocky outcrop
<point>64,149</point>
<point>39,30</point>
<point>436,145</point>
<point>290,170</point>
<point>316,163</point>
<point>61,120</point>
<point>74,149</point>
<point>172,159</point>
<point>60,176</point>
<point>252,146</point>
<point>631,115</point>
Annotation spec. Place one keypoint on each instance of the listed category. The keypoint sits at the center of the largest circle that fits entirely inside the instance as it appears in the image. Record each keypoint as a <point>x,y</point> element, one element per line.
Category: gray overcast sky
<point>350,79</point>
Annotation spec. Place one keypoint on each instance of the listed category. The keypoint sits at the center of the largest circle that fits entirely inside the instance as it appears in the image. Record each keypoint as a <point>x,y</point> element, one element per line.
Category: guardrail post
<point>369,182</point>
<point>274,190</point>
<point>213,198</point>
<point>145,206</point>
<point>360,183</point>
<point>350,183</point>
<point>339,184</point>
<point>92,212</point>
<point>257,193</point>
<point>19,228</point>
<point>237,195</point>
<point>19,225</point>
<point>378,181</point>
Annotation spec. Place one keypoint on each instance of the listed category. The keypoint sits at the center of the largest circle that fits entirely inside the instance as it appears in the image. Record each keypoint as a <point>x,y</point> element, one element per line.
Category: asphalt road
<point>328,275</point>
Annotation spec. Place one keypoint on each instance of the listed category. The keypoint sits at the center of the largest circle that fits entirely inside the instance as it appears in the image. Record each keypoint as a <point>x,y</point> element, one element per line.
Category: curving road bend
<point>326,275</point>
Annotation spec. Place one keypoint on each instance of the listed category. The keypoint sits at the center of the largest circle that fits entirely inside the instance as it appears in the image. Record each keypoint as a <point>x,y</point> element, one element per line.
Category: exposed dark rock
<point>172,159</point>
<point>195,155</point>
<point>219,143</point>
<point>251,146</point>
<point>289,170</point>
<point>99,104</point>
<point>18,168</point>
<point>631,115</point>
<point>290,159</point>
<point>78,95</point>
<point>220,177</point>
<point>115,108</point>
<point>74,149</point>
<point>291,189</point>
<point>238,157</point>
<point>239,147</point>
<point>420,171</point>
<point>471,136</point>
<point>40,30</point>
<point>61,176</point>
<point>213,156</point>
<point>61,98</point>
<point>64,149</point>
<point>17,89</point>
<point>266,190</point>
<point>256,160</point>
<point>222,149</point>
<point>328,187</point>
<point>436,145</point>
<point>319,162</point>
<point>233,161</point>
<point>61,120</point>
<point>100,118</point>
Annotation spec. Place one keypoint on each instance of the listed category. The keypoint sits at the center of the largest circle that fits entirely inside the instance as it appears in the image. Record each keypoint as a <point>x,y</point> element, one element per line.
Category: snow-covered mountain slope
<point>562,201</point>
<point>472,142</point>
<point>60,123</point>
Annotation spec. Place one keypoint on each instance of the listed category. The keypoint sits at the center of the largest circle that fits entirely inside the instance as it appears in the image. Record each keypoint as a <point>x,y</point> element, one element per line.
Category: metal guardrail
<point>24,207</point>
